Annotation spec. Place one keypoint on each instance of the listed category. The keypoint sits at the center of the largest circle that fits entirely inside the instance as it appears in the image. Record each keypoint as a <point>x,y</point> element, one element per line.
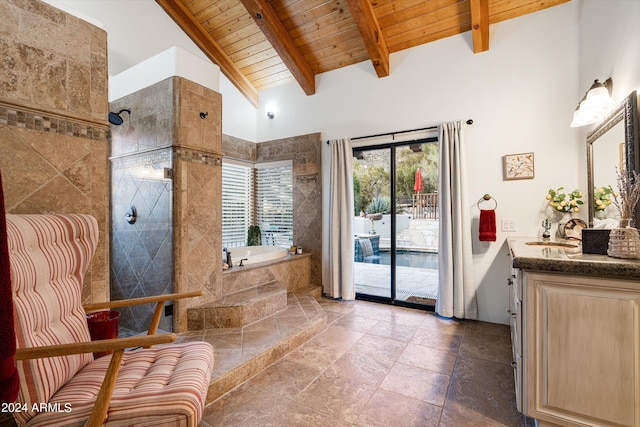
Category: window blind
<point>236,203</point>
<point>274,202</point>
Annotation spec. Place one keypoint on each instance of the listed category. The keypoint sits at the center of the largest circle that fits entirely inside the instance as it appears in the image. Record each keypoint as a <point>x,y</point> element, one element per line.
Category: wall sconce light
<point>271,111</point>
<point>204,115</point>
<point>594,104</point>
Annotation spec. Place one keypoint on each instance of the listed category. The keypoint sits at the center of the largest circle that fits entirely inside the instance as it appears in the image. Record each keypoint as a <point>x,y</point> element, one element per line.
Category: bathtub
<point>255,254</point>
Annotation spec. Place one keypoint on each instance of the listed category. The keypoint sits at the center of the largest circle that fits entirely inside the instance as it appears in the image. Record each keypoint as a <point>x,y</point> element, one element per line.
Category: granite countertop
<point>569,260</point>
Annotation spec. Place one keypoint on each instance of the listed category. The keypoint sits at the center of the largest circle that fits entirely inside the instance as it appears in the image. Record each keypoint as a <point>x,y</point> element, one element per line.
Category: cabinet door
<point>515,322</point>
<point>583,350</point>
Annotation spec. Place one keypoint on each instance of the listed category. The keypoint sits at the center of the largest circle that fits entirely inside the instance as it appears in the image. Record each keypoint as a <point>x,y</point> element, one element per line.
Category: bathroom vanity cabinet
<point>575,328</point>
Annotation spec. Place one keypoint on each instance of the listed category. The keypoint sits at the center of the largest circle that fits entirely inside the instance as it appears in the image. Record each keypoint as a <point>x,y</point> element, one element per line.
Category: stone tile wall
<point>52,61</point>
<point>197,201</point>
<point>165,122</point>
<point>53,121</point>
<point>292,273</point>
<point>305,152</point>
<point>142,253</point>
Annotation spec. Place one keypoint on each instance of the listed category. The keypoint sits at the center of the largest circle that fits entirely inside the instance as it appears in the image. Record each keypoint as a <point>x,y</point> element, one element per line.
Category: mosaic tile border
<point>163,156</point>
<point>194,156</point>
<point>47,123</point>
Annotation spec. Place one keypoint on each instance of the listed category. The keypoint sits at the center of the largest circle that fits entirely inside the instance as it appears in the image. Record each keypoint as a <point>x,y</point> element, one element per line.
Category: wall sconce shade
<point>594,104</point>
<point>271,110</point>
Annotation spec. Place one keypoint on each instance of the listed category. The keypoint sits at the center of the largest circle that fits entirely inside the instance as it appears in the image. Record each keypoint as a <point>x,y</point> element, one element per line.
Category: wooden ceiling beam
<point>210,47</point>
<point>274,30</point>
<point>480,25</point>
<point>367,23</point>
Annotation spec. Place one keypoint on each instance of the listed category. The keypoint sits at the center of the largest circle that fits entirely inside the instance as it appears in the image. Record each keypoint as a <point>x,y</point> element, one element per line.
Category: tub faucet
<point>243,259</point>
<point>229,261</point>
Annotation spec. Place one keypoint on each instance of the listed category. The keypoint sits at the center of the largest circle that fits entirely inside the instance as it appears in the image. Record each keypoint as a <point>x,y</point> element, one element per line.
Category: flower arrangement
<point>563,202</point>
<point>602,197</point>
<point>629,187</point>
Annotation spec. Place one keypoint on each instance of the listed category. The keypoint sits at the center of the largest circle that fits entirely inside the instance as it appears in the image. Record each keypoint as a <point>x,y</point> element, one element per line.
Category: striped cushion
<point>160,386</point>
<point>49,255</point>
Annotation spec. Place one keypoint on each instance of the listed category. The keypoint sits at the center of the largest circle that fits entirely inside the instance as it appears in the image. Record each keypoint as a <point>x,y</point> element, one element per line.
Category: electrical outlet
<point>508,224</point>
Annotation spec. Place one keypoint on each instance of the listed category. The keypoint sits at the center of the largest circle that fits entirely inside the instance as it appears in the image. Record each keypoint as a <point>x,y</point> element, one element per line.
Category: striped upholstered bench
<point>60,382</point>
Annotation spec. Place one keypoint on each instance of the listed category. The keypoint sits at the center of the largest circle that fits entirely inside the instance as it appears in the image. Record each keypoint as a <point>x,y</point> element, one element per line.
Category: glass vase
<point>626,223</point>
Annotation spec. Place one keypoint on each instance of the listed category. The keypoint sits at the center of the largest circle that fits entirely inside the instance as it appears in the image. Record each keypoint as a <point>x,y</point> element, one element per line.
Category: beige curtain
<point>339,279</point>
<point>456,284</point>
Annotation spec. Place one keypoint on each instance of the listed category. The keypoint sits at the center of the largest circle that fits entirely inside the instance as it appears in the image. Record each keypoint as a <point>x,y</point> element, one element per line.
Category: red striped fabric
<point>49,257</point>
<point>162,386</point>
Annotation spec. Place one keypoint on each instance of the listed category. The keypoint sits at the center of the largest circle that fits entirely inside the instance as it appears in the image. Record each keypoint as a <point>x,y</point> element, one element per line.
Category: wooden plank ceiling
<point>264,43</point>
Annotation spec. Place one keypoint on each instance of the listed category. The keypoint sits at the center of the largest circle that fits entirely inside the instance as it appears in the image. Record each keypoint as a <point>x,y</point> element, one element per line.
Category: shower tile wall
<point>141,263</point>
<point>141,253</point>
<point>175,246</point>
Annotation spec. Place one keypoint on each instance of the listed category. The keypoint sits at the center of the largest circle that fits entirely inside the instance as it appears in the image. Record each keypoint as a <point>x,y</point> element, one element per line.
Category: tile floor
<point>379,365</point>
<point>374,279</point>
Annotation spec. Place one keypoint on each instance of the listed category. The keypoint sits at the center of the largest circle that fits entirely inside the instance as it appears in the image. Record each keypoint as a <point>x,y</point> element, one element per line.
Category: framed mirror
<point>612,144</point>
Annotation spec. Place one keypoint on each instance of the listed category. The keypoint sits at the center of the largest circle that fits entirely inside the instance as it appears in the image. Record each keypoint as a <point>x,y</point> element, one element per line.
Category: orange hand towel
<point>487,225</point>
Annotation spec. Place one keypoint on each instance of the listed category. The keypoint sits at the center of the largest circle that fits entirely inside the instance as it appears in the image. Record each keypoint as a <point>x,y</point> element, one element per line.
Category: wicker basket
<point>624,243</point>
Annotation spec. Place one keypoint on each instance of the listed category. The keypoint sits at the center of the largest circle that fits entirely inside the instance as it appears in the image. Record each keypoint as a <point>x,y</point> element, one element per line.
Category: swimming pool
<point>411,259</point>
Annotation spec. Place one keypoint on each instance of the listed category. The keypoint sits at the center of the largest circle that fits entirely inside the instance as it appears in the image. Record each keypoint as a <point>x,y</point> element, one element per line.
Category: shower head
<point>116,119</point>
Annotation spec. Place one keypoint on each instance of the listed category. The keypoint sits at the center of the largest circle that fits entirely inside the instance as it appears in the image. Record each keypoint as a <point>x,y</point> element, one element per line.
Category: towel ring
<point>486,198</point>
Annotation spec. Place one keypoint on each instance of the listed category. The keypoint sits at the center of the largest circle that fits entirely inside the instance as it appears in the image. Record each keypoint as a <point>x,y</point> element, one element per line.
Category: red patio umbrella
<point>417,187</point>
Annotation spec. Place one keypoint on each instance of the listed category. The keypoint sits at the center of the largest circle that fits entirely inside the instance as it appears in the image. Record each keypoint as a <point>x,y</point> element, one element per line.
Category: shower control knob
<point>131,215</point>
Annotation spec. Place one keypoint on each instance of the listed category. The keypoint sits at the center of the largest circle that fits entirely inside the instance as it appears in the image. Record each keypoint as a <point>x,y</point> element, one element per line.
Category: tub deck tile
<point>243,352</point>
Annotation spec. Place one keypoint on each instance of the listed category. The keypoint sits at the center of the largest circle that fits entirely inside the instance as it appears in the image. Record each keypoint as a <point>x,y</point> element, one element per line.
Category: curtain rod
<point>469,122</point>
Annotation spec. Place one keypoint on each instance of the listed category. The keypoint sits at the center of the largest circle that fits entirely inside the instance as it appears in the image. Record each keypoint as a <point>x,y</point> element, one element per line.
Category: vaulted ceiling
<point>264,43</point>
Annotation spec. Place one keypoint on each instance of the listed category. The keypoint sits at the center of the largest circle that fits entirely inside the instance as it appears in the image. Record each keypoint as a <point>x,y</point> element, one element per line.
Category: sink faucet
<point>243,259</point>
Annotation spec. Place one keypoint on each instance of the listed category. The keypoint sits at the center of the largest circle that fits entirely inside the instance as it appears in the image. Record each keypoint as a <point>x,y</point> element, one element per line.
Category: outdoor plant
<point>254,236</point>
<point>379,205</point>
<point>565,202</point>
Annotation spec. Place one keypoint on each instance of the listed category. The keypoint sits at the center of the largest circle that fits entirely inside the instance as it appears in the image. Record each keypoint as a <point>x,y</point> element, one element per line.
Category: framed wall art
<point>518,166</point>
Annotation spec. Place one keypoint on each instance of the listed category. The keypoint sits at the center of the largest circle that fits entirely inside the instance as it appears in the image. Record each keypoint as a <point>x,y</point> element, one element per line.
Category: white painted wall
<point>520,94</point>
<point>174,61</point>
<point>609,39</point>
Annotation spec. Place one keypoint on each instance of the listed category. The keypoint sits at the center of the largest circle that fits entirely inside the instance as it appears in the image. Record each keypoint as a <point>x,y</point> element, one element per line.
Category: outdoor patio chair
<point>60,382</point>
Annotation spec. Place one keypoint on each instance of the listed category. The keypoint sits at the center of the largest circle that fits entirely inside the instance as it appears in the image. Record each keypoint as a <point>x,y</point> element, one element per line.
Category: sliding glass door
<point>396,223</point>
